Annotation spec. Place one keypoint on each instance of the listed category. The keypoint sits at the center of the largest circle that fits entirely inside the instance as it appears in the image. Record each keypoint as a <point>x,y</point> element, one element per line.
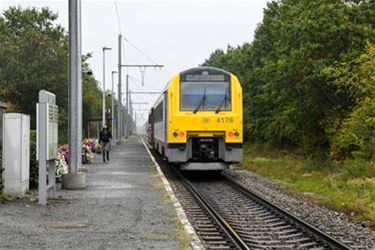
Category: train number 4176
<point>225,120</point>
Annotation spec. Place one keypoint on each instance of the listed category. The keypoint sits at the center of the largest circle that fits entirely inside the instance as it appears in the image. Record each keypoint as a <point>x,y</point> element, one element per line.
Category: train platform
<point>123,207</point>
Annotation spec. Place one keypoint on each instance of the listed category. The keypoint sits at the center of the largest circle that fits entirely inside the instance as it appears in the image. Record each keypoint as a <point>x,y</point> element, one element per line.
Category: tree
<point>354,135</point>
<point>290,100</point>
<point>34,56</point>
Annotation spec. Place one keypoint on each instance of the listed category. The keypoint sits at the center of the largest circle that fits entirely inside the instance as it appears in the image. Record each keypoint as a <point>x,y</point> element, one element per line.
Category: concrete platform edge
<point>195,242</point>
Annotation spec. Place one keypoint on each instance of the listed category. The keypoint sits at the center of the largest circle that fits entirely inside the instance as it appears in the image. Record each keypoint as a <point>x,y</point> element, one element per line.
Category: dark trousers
<point>105,150</point>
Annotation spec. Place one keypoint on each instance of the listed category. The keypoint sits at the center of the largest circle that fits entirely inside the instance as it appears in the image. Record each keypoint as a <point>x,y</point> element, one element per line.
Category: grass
<point>345,187</point>
<point>6,197</point>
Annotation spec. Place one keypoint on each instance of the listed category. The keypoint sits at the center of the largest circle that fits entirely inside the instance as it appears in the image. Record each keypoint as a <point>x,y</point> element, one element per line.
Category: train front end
<point>204,119</point>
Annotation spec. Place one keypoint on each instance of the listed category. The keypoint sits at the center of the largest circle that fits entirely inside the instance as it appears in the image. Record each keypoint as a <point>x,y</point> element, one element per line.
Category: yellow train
<point>197,121</point>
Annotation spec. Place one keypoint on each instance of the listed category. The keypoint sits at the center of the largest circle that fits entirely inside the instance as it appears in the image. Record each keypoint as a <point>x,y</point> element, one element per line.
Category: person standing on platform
<point>105,138</point>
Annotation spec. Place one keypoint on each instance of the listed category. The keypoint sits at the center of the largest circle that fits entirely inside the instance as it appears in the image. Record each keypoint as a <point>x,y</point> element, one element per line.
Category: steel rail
<point>220,221</point>
<point>313,231</point>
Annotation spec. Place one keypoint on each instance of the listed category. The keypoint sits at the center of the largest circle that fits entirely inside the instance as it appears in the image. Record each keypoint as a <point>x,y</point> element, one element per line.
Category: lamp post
<point>113,104</point>
<point>103,110</point>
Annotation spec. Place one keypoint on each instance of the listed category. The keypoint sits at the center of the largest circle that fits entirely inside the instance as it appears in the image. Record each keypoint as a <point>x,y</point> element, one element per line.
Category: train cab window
<point>205,96</point>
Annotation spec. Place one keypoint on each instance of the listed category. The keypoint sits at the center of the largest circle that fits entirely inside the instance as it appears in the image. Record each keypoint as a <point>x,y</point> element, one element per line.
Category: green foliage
<point>290,99</point>
<point>359,168</point>
<point>348,187</point>
<point>355,135</point>
<point>1,171</point>
<point>34,164</point>
<point>34,56</point>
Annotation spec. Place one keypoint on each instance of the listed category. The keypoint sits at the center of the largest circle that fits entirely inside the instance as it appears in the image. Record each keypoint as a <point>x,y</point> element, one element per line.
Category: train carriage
<point>197,121</point>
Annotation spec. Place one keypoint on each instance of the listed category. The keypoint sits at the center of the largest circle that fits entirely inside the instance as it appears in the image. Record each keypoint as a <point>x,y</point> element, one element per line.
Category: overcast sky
<point>178,34</point>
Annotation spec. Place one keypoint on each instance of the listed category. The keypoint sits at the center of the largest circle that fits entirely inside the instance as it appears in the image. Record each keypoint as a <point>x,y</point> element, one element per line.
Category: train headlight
<point>181,134</point>
<point>175,134</point>
<point>236,134</point>
<point>230,134</point>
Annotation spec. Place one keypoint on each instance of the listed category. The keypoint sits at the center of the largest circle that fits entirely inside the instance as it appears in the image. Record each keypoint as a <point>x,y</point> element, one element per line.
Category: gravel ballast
<point>333,223</point>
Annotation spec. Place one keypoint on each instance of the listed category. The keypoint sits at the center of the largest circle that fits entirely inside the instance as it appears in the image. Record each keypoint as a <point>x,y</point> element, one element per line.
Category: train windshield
<point>205,96</point>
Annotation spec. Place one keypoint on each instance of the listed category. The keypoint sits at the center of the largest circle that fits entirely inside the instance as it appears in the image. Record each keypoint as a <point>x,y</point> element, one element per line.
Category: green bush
<point>34,165</point>
<point>1,172</point>
<point>359,168</point>
<point>355,136</point>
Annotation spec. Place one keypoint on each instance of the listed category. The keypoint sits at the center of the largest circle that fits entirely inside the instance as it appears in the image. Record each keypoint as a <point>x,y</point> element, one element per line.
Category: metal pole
<point>75,87</point>
<point>103,105</point>
<point>113,105</point>
<point>79,89</point>
<point>127,108</point>
<point>119,98</point>
<point>135,121</point>
<point>130,114</point>
<point>103,110</point>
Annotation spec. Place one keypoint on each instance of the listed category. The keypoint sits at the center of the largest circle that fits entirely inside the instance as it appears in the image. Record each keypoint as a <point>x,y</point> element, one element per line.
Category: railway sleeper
<point>211,229</point>
<point>311,245</point>
<point>299,240</point>
<point>219,247</point>
<point>287,236</point>
<point>212,238</point>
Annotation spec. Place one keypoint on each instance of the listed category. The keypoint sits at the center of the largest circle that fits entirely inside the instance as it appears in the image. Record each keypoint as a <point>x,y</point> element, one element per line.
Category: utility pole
<point>103,108</point>
<point>141,66</point>
<point>119,93</point>
<point>113,104</point>
<point>130,114</point>
<point>75,85</point>
<point>119,109</point>
<point>135,121</point>
<point>75,180</point>
<point>127,108</point>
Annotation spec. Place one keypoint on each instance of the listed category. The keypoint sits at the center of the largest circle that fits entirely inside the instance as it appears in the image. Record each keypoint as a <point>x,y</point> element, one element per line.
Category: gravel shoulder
<point>121,208</point>
<point>334,223</point>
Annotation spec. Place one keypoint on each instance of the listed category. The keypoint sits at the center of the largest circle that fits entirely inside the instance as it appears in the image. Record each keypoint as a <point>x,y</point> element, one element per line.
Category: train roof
<point>210,70</point>
<point>195,71</point>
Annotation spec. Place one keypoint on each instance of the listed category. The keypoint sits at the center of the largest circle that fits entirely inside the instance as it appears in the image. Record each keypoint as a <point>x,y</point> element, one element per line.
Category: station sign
<point>47,123</point>
<point>52,133</point>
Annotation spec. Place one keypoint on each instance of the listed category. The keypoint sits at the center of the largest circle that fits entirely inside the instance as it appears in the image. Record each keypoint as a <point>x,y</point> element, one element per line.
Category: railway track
<point>254,223</point>
<point>226,215</point>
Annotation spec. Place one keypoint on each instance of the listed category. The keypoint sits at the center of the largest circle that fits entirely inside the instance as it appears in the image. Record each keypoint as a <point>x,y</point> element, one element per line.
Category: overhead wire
<point>118,17</point>
<point>139,87</point>
<point>139,50</point>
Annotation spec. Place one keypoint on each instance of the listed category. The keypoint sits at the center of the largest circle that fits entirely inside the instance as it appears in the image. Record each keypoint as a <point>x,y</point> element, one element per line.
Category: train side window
<point>158,113</point>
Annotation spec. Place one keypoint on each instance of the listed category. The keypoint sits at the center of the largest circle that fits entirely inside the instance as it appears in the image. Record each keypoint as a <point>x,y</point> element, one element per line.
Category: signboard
<point>47,125</point>
<point>47,141</point>
<point>52,133</point>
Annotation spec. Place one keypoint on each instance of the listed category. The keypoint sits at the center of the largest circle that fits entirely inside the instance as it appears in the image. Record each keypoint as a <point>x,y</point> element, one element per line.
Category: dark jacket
<point>105,135</point>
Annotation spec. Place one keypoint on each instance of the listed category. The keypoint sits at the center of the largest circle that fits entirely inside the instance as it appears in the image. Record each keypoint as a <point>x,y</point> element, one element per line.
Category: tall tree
<point>34,56</point>
<point>291,100</point>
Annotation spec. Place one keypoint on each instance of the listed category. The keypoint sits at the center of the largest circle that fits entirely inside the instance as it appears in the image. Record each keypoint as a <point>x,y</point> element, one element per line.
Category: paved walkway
<point>122,208</point>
